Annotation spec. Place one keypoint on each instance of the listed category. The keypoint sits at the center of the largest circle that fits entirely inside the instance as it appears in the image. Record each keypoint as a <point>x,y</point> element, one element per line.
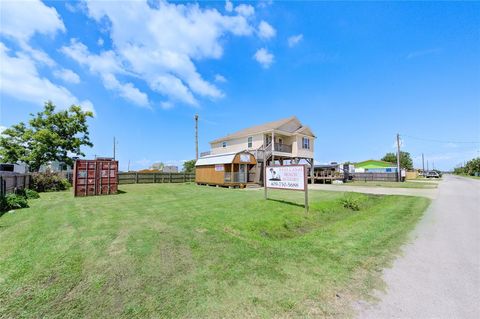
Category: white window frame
<point>305,143</point>
<point>250,141</point>
<point>224,144</point>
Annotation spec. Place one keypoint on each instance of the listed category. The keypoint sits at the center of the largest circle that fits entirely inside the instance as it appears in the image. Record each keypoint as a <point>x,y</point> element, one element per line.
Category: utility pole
<point>114,148</point>
<point>423,165</point>
<point>399,174</point>
<point>427,165</point>
<point>196,137</point>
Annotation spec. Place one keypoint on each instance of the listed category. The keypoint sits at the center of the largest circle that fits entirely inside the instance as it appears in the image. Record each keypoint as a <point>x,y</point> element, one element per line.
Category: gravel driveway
<point>438,275</point>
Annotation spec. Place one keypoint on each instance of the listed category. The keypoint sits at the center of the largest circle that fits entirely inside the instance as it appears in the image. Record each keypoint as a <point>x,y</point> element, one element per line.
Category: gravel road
<point>425,192</point>
<point>438,274</point>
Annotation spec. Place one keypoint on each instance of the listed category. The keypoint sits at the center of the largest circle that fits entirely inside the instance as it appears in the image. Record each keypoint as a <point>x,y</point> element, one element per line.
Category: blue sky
<point>355,72</point>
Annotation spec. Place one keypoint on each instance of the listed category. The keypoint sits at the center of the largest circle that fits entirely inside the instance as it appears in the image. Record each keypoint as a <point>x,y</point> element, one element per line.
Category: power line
<point>441,141</point>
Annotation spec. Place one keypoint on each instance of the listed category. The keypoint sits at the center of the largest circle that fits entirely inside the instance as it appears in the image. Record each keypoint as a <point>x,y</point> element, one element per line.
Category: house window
<point>224,144</point>
<point>305,143</point>
<point>250,142</point>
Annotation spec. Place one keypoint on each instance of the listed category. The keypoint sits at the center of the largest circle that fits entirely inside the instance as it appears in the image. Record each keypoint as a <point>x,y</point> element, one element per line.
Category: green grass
<point>406,184</point>
<point>469,176</point>
<point>178,251</point>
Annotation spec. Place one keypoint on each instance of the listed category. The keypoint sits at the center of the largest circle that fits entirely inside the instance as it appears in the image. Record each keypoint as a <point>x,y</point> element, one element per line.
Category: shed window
<point>250,142</point>
<point>224,144</point>
<point>305,143</point>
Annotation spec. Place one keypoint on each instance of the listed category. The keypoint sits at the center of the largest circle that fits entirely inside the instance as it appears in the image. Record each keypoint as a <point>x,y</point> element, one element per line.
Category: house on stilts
<point>239,158</point>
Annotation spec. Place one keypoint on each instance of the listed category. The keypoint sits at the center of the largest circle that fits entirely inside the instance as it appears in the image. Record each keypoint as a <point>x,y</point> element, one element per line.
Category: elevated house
<point>285,141</point>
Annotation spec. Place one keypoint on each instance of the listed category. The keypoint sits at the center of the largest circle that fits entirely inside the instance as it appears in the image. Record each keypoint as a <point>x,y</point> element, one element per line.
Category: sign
<point>291,177</point>
<point>219,168</point>
<point>245,158</point>
<point>286,177</point>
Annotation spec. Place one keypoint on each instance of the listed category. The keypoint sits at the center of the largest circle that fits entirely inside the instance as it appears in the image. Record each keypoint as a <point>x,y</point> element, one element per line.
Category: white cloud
<point>67,76</point>
<point>21,20</point>
<point>265,30</point>
<point>420,53</point>
<point>220,78</point>
<point>264,3</point>
<point>20,80</point>
<point>100,41</point>
<point>264,57</point>
<point>106,65</point>
<point>173,37</point>
<point>294,40</point>
<point>245,10</point>
<point>228,6</point>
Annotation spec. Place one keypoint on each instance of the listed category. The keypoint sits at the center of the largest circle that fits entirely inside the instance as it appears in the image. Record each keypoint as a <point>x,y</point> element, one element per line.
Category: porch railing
<point>284,148</point>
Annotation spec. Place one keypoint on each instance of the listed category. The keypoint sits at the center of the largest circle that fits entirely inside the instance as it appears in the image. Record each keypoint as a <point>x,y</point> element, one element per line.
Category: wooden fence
<point>141,178</point>
<point>378,177</point>
<point>9,182</point>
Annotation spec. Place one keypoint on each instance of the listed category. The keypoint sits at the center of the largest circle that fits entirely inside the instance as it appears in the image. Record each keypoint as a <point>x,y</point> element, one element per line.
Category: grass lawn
<point>406,184</point>
<point>176,251</point>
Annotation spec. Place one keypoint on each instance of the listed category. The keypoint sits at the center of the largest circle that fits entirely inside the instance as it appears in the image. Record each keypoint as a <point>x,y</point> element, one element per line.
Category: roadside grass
<point>469,176</point>
<point>177,251</point>
<point>406,184</point>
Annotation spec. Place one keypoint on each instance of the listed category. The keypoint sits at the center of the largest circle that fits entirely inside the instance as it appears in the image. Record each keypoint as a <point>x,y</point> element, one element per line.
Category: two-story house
<point>279,142</point>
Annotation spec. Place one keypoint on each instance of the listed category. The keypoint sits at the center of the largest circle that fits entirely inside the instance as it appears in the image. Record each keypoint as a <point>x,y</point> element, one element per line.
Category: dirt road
<point>438,275</point>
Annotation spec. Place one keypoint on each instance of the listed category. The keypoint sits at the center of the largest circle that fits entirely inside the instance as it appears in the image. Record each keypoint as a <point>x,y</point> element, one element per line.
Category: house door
<point>242,173</point>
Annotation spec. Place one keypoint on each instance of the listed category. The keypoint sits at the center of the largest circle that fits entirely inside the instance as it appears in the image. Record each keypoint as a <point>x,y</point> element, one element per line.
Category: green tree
<point>473,166</point>
<point>405,159</point>
<point>189,166</point>
<point>50,136</point>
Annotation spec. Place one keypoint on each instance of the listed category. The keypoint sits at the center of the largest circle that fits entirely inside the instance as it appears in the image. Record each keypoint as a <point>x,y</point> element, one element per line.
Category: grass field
<point>177,251</point>
<point>406,184</point>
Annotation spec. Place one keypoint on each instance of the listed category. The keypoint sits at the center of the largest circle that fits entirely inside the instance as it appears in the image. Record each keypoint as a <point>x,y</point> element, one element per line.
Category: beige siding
<point>238,145</point>
<point>298,151</point>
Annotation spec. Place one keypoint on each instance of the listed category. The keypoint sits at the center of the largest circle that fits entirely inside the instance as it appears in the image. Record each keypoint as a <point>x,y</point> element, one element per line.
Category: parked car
<point>432,174</point>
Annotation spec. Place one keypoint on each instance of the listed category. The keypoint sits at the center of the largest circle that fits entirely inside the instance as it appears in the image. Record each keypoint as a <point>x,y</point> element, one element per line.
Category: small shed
<point>228,169</point>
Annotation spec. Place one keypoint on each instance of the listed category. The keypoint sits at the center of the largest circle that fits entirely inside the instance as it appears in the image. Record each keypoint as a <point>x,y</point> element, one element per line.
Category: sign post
<point>288,177</point>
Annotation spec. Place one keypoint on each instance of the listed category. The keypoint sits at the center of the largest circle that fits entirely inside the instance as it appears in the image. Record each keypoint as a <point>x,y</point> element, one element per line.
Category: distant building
<point>375,166</point>
<point>15,168</point>
<point>55,167</point>
<point>170,169</point>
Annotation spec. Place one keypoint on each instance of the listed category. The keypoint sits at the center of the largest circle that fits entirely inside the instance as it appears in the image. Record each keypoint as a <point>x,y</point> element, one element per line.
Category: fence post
<point>170,177</point>
<point>184,177</point>
<point>136,177</point>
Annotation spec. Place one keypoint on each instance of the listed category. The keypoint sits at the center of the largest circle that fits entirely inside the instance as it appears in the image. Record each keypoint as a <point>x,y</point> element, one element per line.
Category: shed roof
<point>225,158</point>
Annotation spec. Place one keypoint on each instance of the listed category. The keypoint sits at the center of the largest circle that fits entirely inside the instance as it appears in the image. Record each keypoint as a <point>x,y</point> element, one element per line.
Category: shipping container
<point>95,177</point>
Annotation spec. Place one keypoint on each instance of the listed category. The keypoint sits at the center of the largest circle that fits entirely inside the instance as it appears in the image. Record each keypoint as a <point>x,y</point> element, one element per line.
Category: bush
<point>28,193</point>
<point>49,182</point>
<point>350,202</point>
<point>14,201</point>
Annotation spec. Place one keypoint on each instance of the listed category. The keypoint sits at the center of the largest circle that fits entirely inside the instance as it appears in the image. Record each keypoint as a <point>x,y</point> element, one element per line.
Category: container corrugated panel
<point>95,177</point>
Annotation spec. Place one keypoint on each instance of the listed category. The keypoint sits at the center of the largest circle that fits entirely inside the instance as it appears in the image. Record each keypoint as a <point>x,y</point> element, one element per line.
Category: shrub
<point>49,182</point>
<point>351,202</point>
<point>14,201</point>
<point>28,193</point>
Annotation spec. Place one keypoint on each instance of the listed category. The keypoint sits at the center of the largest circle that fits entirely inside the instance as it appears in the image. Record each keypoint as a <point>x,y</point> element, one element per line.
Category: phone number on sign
<point>285,184</point>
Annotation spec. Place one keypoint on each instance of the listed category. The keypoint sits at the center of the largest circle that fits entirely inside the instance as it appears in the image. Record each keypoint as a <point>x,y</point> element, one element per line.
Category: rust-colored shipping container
<point>95,177</point>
